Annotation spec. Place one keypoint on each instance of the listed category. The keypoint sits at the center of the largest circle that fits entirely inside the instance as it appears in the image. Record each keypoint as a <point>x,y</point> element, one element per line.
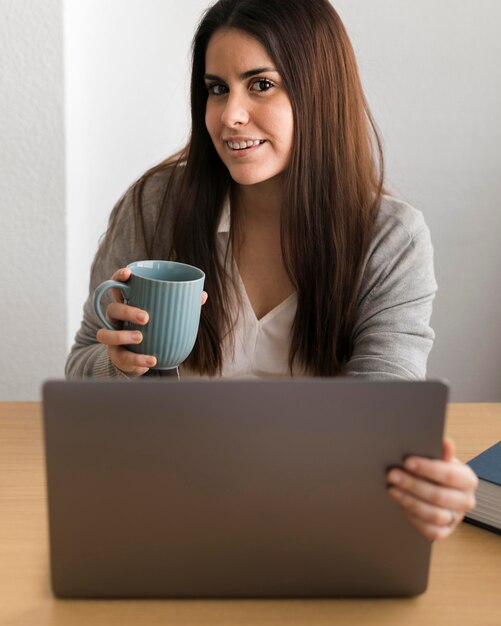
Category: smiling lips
<point>243,145</point>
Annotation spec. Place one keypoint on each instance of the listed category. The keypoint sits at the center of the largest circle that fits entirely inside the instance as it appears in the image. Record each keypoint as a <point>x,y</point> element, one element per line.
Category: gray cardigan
<point>392,336</point>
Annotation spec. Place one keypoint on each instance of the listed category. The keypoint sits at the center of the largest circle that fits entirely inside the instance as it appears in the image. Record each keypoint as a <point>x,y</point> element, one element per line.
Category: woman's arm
<point>88,357</point>
<point>392,340</point>
<point>392,336</point>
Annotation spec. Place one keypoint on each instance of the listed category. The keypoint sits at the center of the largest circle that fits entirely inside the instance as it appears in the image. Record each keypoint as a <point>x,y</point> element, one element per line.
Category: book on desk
<point>487,466</point>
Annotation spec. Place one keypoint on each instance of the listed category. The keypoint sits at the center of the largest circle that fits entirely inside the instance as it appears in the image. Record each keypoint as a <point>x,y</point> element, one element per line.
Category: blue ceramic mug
<point>171,293</point>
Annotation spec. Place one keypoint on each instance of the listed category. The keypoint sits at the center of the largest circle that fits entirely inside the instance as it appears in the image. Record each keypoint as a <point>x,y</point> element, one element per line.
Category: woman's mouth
<point>242,146</point>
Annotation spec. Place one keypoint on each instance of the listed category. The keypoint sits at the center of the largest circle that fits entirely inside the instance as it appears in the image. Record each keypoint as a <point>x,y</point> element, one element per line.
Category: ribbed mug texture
<point>174,315</point>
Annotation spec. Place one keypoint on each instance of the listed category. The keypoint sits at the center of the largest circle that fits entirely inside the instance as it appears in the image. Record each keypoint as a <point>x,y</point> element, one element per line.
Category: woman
<point>311,269</point>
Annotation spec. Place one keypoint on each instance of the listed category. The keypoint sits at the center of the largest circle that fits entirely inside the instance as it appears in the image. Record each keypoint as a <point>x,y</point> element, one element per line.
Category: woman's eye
<point>216,89</point>
<point>262,84</point>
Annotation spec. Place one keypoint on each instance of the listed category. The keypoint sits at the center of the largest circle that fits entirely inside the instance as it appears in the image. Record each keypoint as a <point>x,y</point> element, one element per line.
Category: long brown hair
<point>332,186</point>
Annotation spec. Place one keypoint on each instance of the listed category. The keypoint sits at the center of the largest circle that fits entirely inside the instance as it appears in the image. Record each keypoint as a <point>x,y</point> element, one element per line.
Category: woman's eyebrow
<point>243,76</point>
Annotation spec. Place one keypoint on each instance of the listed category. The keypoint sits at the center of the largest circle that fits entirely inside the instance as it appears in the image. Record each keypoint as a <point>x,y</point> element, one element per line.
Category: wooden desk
<point>465,581</point>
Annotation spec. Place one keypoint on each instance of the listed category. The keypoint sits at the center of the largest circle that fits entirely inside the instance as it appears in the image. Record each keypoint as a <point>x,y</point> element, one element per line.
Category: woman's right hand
<point>126,361</point>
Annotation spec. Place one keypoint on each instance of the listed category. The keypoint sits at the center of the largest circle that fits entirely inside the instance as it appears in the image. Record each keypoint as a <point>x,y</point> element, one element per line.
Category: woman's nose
<point>235,112</point>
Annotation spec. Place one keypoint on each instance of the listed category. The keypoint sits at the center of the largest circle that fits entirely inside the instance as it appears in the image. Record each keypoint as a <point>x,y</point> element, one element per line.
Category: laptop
<point>235,489</point>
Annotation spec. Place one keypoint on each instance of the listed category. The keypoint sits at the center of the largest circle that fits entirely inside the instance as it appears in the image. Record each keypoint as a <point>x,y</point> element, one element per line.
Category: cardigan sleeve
<point>392,336</point>
<point>88,358</point>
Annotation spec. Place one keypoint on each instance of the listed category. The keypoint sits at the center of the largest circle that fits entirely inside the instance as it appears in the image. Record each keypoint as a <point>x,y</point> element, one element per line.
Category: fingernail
<point>394,477</point>
<point>396,493</point>
<point>141,317</point>
<point>136,337</point>
<point>411,464</point>
<point>151,361</point>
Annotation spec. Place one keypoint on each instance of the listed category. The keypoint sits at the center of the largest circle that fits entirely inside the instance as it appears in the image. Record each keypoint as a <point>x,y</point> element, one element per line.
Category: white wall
<point>32,248</point>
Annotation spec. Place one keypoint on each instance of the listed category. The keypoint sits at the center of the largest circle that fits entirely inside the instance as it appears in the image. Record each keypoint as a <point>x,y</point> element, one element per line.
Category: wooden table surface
<point>465,578</point>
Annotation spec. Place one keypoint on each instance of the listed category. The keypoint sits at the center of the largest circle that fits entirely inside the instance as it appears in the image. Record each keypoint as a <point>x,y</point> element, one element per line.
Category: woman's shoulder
<point>135,216</point>
<point>401,246</point>
<point>398,219</point>
<point>149,196</point>
<point>398,227</point>
<point>154,183</point>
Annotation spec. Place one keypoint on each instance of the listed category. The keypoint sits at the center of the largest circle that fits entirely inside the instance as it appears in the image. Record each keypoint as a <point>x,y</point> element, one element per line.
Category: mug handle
<point>98,293</point>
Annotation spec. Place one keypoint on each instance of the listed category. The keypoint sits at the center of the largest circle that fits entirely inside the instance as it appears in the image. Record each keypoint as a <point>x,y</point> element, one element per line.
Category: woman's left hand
<point>434,494</point>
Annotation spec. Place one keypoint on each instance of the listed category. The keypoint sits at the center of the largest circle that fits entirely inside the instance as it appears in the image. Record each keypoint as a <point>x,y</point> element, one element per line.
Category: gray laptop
<point>198,489</point>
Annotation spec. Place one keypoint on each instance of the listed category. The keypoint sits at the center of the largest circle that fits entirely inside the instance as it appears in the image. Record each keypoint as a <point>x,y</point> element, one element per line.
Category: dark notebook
<point>487,466</point>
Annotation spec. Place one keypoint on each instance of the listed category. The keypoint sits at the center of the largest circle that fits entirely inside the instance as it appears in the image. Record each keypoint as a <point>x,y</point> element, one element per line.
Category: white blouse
<point>261,346</point>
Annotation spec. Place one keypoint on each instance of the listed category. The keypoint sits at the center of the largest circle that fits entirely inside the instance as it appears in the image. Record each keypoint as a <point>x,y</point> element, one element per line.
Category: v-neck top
<point>260,348</point>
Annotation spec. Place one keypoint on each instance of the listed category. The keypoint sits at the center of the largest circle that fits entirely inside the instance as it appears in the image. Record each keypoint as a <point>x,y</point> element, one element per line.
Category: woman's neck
<point>259,203</point>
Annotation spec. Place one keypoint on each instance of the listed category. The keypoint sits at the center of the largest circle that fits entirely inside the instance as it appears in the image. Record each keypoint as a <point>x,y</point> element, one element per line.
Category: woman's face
<point>247,106</point>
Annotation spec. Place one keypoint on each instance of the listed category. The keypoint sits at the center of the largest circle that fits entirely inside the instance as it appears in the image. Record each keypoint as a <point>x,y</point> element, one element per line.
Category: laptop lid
<point>235,488</point>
